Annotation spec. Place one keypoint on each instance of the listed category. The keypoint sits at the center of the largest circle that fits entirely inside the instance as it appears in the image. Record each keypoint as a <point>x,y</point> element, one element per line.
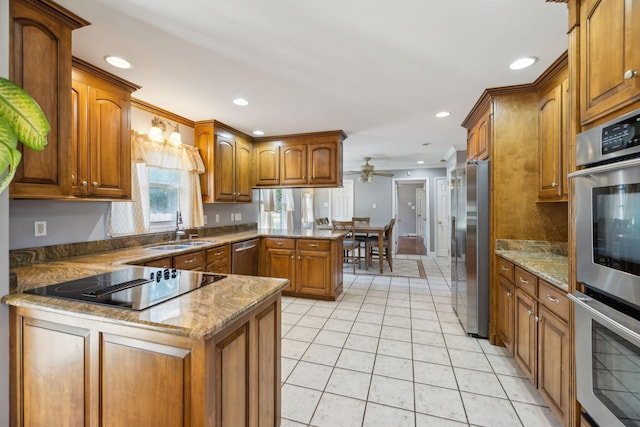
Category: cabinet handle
<point>503,268</point>
<point>95,184</point>
<point>279,243</point>
<point>630,74</point>
<point>218,253</point>
<point>529,312</point>
<point>313,245</point>
<point>245,248</point>
<point>537,319</point>
<point>526,282</point>
<point>298,257</point>
<point>189,261</point>
<point>292,257</point>
<point>552,299</point>
<point>554,184</point>
<point>509,294</point>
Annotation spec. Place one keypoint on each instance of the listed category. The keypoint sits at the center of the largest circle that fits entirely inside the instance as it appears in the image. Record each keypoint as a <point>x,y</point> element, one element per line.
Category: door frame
<point>394,208</point>
<point>437,236</point>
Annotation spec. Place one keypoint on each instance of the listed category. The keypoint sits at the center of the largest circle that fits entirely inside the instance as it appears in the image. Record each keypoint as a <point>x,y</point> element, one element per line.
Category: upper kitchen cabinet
<point>101,134</point>
<point>40,62</point>
<point>478,135</point>
<point>609,56</point>
<point>553,137</point>
<point>303,160</point>
<point>227,155</point>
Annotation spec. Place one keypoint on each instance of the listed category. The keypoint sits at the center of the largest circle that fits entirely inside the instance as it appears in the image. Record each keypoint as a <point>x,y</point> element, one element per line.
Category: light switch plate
<point>40,228</point>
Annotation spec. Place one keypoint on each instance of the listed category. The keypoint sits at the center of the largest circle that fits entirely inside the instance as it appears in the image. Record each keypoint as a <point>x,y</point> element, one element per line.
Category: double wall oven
<point>607,314</point>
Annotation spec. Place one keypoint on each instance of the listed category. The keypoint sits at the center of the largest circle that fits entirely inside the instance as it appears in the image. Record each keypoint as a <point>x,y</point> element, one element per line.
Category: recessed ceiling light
<point>521,63</point>
<point>442,114</point>
<point>241,102</point>
<point>420,162</point>
<point>258,132</point>
<point>116,61</point>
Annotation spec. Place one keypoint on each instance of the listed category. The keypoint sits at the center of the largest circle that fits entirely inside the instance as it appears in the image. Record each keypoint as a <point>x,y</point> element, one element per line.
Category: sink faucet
<point>179,225</point>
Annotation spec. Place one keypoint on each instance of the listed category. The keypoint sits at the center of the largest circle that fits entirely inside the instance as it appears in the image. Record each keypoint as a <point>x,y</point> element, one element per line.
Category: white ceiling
<point>379,70</point>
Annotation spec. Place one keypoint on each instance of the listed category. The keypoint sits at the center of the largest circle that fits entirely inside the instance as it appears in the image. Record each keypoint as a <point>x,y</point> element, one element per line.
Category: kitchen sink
<point>170,247</point>
<point>196,243</point>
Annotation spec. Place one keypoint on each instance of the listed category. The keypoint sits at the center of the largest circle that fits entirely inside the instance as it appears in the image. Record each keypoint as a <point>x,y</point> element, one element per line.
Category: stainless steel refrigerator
<point>470,249</point>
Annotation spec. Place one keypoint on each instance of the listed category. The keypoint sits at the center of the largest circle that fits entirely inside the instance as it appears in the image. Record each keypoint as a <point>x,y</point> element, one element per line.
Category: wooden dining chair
<point>322,221</point>
<point>361,220</point>
<point>349,243</point>
<point>371,246</point>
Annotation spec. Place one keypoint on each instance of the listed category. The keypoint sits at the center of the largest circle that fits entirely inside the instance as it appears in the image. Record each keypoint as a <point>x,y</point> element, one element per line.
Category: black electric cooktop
<point>134,288</point>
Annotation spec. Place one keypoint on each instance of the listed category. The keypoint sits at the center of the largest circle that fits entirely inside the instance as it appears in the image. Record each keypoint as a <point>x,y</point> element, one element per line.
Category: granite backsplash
<point>533,246</point>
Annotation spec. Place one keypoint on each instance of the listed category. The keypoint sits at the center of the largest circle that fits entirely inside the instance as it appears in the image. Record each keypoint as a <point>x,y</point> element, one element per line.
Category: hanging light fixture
<point>175,137</point>
<point>159,126</point>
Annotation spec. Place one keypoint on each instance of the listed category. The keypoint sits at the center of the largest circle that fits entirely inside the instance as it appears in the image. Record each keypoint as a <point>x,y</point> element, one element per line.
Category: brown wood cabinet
<point>101,134</point>
<point>227,155</point>
<point>609,59</point>
<point>479,137</point>
<point>81,370</point>
<point>541,340</point>
<point>219,259</point>
<point>40,62</point>
<point>506,304</point>
<point>194,260</point>
<point>304,160</point>
<point>313,266</point>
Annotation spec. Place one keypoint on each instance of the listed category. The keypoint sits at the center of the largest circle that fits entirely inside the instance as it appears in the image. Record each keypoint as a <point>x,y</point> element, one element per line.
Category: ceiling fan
<point>368,172</point>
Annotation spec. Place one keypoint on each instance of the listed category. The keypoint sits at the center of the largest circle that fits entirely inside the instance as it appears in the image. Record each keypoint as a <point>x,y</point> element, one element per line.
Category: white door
<point>420,214</point>
<point>342,201</point>
<point>443,209</point>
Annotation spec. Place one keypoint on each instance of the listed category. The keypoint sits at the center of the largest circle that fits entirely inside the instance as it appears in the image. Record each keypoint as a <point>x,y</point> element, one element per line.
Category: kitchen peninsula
<point>208,357</point>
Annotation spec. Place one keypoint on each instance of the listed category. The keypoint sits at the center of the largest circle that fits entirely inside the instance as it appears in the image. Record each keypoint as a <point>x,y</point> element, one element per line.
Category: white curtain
<point>289,207</point>
<point>133,217</point>
<point>307,206</point>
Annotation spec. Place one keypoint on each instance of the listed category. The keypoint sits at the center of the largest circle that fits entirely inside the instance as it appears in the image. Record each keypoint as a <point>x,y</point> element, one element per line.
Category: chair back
<point>389,231</point>
<point>344,226</point>
<point>361,220</point>
<point>322,221</point>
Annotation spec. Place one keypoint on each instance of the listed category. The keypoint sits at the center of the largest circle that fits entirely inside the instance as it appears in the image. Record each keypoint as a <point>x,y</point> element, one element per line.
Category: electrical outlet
<point>40,228</point>
<point>205,219</point>
<point>239,216</point>
<point>217,217</point>
<point>233,217</point>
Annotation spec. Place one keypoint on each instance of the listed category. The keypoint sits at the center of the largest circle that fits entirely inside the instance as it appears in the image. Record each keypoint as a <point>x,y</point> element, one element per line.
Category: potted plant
<point>21,119</point>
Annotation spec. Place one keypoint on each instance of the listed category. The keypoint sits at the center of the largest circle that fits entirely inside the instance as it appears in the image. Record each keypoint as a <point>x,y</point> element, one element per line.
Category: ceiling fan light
<point>362,178</point>
<point>371,179</point>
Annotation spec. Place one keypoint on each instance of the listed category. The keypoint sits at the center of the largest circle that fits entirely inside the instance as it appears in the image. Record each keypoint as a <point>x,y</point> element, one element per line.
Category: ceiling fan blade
<point>382,173</point>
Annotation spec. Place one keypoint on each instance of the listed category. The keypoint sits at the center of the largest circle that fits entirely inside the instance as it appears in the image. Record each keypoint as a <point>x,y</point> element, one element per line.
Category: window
<point>163,196</point>
<point>274,212</point>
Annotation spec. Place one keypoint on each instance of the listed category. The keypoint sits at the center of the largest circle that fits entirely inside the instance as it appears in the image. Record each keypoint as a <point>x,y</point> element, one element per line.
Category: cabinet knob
<point>95,184</point>
<point>554,184</point>
<point>537,319</point>
<point>84,183</point>
<point>298,257</point>
<point>292,257</point>
<point>529,312</point>
<point>509,294</point>
<point>630,74</point>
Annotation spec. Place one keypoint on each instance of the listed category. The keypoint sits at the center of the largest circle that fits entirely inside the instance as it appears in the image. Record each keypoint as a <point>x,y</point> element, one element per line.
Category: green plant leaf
<point>24,115</point>
<point>9,160</point>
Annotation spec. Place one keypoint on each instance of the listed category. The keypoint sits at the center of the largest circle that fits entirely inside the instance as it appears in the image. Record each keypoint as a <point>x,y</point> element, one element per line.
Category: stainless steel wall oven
<point>607,314</point>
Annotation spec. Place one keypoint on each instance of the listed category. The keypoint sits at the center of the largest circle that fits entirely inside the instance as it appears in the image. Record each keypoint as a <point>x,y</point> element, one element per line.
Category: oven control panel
<point>618,138</point>
<point>621,135</point>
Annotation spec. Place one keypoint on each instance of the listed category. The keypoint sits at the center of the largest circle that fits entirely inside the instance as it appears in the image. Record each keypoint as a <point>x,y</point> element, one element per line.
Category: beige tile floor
<point>391,352</point>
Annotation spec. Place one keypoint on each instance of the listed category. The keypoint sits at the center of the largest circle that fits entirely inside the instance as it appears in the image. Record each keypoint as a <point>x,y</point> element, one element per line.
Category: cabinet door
<point>609,31</point>
<point>232,369</point>
<point>190,261</point>
<point>550,144</point>
<point>506,303</point>
<point>525,334</point>
<point>203,141</point>
<point>267,164</point>
<point>132,400</point>
<point>41,64</point>
<point>472,144</point>
<point>268,388</point>
<point>566,137</point>
<point>553,362</point>
<point>314,272</point>
<point>281,263</point>
<point>293,164</point>
<point>79,136</point>
<point>322,164</point>
<point>483,139</point>
<point>243,163</point>
<point>224,170</point>
<point>109,143</point>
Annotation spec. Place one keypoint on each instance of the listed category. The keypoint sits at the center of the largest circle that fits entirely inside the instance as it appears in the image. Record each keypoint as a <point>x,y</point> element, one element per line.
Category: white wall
<point>4,241</point>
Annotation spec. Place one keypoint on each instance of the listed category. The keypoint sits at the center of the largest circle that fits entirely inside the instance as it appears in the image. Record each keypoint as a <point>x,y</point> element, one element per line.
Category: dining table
<point>372,228</point>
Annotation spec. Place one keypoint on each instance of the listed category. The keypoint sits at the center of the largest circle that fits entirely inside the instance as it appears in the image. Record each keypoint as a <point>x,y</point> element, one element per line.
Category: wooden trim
<point>105,75</point>
<point>303,135</point>
<point>61,13</point>
<point>150,108</point>
<point>558,66</point>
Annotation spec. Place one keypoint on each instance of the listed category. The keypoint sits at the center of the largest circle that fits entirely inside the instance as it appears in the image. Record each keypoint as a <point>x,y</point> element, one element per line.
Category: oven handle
<point>606,168</point>
<point>613,319</point>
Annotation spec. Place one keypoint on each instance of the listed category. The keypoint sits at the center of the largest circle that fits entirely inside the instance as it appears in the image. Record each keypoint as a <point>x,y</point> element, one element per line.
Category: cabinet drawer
<point>189,261</point>
<point>219,253</point>
<point>554,299</point>
<point>505,269</point>
<point>280,243</point>
<point>222,267</point>
<point>314,245</point>
<point>160,263</point>
<point>526,281</point>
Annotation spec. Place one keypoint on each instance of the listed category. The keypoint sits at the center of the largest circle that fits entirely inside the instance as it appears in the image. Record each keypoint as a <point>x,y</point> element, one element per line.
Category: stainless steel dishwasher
<point>244,258</point>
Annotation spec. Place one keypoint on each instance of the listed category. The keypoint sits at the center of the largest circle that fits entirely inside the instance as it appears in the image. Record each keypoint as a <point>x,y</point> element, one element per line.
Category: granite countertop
<point>547,260</point>
<point>200,313</point>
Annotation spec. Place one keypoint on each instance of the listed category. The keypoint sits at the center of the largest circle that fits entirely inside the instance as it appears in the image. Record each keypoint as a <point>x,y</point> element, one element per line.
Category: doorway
<point>443,217</point>
<point>342,201</point>
<point>410,207</point>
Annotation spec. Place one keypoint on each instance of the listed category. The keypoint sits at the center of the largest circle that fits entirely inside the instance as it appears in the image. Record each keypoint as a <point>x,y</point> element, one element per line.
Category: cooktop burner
<point>134,288</point>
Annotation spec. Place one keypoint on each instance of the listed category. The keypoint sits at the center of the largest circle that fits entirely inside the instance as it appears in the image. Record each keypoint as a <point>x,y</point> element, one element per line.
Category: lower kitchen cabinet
<point>506,304</point>
<point>78,370</point>
<point>219,260</point>
<point>313,266</point>
<point>525,338</point>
